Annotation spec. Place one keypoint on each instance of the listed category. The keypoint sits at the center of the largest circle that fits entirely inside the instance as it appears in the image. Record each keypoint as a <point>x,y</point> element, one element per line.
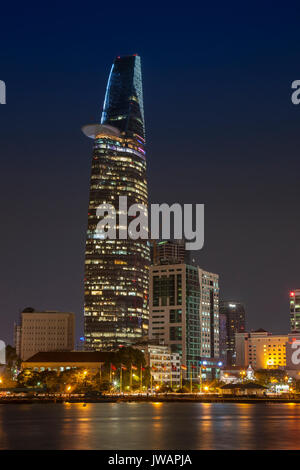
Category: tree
<point>28,378</point>
<point>11,357</point>
<point>267,376</point>
<point>49,378</point>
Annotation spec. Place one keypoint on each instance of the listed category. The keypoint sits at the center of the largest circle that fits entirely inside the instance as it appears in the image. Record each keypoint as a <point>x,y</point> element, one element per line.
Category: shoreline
<point>152,399</point>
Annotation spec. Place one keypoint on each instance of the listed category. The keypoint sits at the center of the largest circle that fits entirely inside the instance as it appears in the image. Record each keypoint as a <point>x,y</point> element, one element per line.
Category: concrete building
<point>184,313</point>
<point>261,350</point>
<point>232,321</point>
<point>44,331</point>
<point>164,365</point>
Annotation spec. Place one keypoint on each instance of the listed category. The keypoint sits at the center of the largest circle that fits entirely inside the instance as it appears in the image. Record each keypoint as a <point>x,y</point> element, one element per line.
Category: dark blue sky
<point>221,130</point>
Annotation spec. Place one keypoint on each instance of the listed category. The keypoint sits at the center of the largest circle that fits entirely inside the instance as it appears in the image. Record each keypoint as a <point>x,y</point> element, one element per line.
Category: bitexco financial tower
<point>117,271</point>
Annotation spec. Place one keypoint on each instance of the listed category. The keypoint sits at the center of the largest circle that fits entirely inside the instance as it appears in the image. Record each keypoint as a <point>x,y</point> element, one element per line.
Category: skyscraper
<point>117,271</point>
<point>232,316</point>
<point>169,252</point>
<point>184,313</point>
<point>295,310</point>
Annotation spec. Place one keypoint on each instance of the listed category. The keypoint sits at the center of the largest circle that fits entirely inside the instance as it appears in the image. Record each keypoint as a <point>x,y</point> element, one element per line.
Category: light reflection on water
<point>150,426</point>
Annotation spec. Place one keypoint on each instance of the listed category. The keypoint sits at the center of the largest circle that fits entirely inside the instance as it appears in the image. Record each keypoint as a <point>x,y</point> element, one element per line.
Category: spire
<point>123,104</point>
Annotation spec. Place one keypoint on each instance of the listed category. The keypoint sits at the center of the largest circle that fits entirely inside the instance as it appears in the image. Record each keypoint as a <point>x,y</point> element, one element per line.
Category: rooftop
<point>70,356</point>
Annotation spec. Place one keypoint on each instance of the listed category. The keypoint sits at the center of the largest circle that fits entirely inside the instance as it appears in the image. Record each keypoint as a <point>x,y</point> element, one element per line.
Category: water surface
<point>150,426</point>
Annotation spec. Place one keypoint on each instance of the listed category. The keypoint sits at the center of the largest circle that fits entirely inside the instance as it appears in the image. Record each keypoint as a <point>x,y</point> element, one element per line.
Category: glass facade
<point>193,319</point>
<point>234,313</point>
<point>117,271</point>
<point>184,312</point>
<point>295,310</point>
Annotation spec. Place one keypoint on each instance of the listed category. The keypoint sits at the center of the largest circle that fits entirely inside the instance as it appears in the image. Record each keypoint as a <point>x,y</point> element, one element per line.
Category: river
<point>150,426</point>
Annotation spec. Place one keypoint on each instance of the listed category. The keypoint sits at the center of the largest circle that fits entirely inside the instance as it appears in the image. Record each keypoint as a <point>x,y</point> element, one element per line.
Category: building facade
<point>44,331</point>
<point>295,310</point>
<point>164,365</point>
<point>117,270</point>
<point>184,313</point>
<point>232,320</point>
<point>261,350</point>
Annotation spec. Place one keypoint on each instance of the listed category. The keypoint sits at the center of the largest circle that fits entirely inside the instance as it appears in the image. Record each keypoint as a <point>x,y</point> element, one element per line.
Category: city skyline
<point>222,133</point>
<point>149,281</point>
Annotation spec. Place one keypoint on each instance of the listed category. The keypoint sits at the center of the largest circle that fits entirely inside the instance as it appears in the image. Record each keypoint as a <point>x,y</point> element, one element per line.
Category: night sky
<point>221,130</point>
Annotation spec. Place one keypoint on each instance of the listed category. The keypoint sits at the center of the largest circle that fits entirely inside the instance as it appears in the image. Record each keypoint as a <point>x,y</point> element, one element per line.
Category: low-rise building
<point>243,389</point>
<point>164,365</point>
<point>60,361</point>
<point>235,374</point>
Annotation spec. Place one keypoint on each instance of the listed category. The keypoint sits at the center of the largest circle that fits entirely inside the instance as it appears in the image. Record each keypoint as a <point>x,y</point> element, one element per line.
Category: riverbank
<point>149,399</point>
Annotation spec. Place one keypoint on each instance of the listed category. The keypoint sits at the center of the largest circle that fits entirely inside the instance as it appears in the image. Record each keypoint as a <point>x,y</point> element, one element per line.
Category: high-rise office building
<point>117,270</point>
<point>232,314</point>
<point>40,331</point>
<point>184,313</point>
<point>169,252</point>
<point>295,310</point>
<point>223,338</point>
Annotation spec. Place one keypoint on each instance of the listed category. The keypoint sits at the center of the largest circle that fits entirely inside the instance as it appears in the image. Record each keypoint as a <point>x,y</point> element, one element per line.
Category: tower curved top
<point>123,103</point>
